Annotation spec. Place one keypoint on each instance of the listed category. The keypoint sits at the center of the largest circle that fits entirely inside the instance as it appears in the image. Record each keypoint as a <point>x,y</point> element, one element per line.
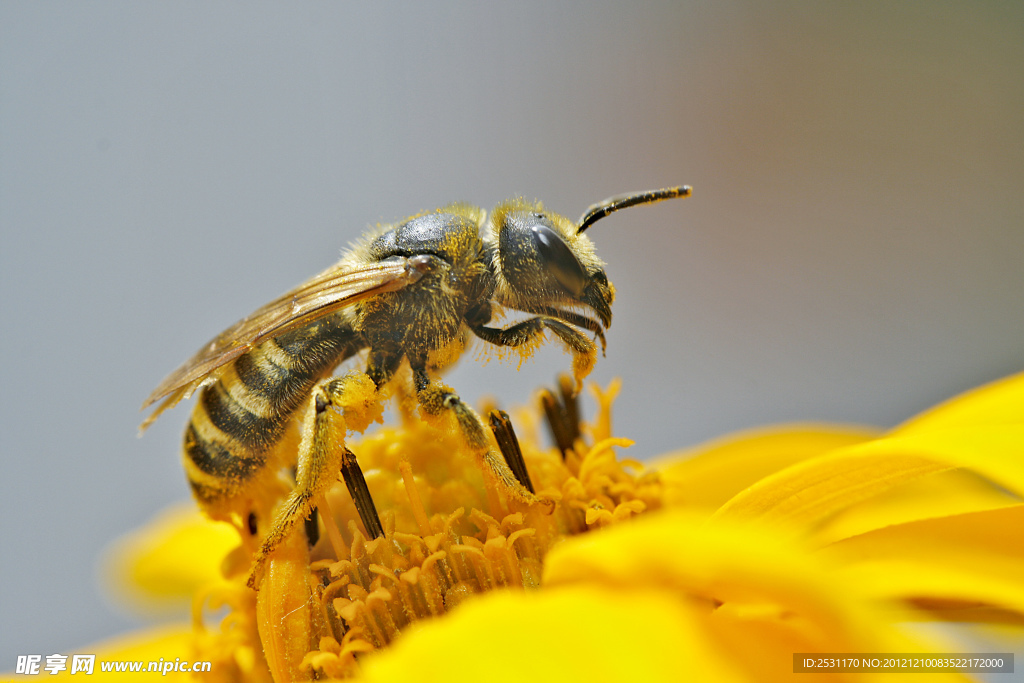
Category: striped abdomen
<point>242,415</point>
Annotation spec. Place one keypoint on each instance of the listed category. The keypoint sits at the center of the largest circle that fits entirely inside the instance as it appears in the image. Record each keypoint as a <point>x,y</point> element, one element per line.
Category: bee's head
<point>542,261</point>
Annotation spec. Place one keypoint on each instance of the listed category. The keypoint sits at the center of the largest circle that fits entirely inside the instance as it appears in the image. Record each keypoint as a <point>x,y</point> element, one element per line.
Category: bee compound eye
<point>559,259</point>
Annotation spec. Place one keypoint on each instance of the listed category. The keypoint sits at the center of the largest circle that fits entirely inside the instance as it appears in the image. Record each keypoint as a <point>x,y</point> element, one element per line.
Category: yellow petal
<point>964,560</point>
<point>998,403</point>
<point>778,598</point>
<point>567,634</point>
<point>807,493</point>
<point>680,553</point>
<point>939,495</point>
<point>636,602</point>
<point>971,582</point>
<point>998,531</point>
<point>159,567</point>
<point>286,608</point>
<point>710,474</point>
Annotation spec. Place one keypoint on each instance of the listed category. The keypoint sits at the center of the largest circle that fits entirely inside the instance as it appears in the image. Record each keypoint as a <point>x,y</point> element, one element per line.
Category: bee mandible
<point>414,292</point>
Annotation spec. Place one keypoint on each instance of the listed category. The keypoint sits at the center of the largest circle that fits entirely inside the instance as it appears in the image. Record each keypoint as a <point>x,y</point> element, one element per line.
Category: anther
<point>356,484</point>
<point>562,414</point>
<point>571,407</point>
<point>556,424</point>
<point>501,425</point>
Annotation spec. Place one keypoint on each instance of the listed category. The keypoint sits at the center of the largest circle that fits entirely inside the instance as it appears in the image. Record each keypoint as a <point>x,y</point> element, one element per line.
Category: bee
<point>409,295</point>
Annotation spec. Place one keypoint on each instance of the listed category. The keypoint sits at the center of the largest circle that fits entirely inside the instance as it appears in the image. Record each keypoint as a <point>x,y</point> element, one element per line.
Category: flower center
<point>444,531</point>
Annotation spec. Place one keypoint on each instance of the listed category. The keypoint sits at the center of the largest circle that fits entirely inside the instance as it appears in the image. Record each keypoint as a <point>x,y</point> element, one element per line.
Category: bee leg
<point>578,320</point>
<point>583,350</point>
<point>322,452</point>
<point>435,398</point>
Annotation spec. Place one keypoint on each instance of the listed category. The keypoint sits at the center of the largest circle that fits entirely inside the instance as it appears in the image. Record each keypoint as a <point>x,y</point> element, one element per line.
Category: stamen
<point>361,495</point>
<point>601,428</point>
<point>333,532</point>
<point>419,513</point>
<point>501,425</point>
<point>563,414</point>
<point>570,406</point>
<point>408,566</point>
<point>556,424</point>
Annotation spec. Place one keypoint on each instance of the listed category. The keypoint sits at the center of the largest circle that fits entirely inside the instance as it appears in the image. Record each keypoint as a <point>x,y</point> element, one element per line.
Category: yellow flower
<point>852,538</point>
<point>738,555</point>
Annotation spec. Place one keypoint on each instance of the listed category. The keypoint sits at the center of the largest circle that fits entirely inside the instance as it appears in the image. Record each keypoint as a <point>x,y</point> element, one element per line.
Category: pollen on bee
<point>508,355</point>
<point>361,404</point>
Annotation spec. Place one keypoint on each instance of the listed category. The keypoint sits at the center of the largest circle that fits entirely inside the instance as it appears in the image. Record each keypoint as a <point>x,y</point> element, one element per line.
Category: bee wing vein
<point>335,288</point>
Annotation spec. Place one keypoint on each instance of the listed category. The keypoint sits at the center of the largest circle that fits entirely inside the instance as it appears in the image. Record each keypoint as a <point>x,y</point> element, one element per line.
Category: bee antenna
<point>622,201</point>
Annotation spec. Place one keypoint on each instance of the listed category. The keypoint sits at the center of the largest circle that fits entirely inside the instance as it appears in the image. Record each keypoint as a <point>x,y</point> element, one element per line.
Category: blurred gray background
<point>853,251</point>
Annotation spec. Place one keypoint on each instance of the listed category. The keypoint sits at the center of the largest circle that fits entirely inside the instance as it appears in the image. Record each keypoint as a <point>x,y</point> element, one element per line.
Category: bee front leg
<point>322,454</point>
<point>435,398</point>
<point>583,350</point>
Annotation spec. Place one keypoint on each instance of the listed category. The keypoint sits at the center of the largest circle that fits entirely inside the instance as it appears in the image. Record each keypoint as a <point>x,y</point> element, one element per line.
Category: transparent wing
<point>331,290</point>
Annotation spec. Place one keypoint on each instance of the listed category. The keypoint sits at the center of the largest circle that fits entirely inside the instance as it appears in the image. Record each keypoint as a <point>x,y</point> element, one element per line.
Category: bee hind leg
<point>436,398</point>
<point>322,454</point>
